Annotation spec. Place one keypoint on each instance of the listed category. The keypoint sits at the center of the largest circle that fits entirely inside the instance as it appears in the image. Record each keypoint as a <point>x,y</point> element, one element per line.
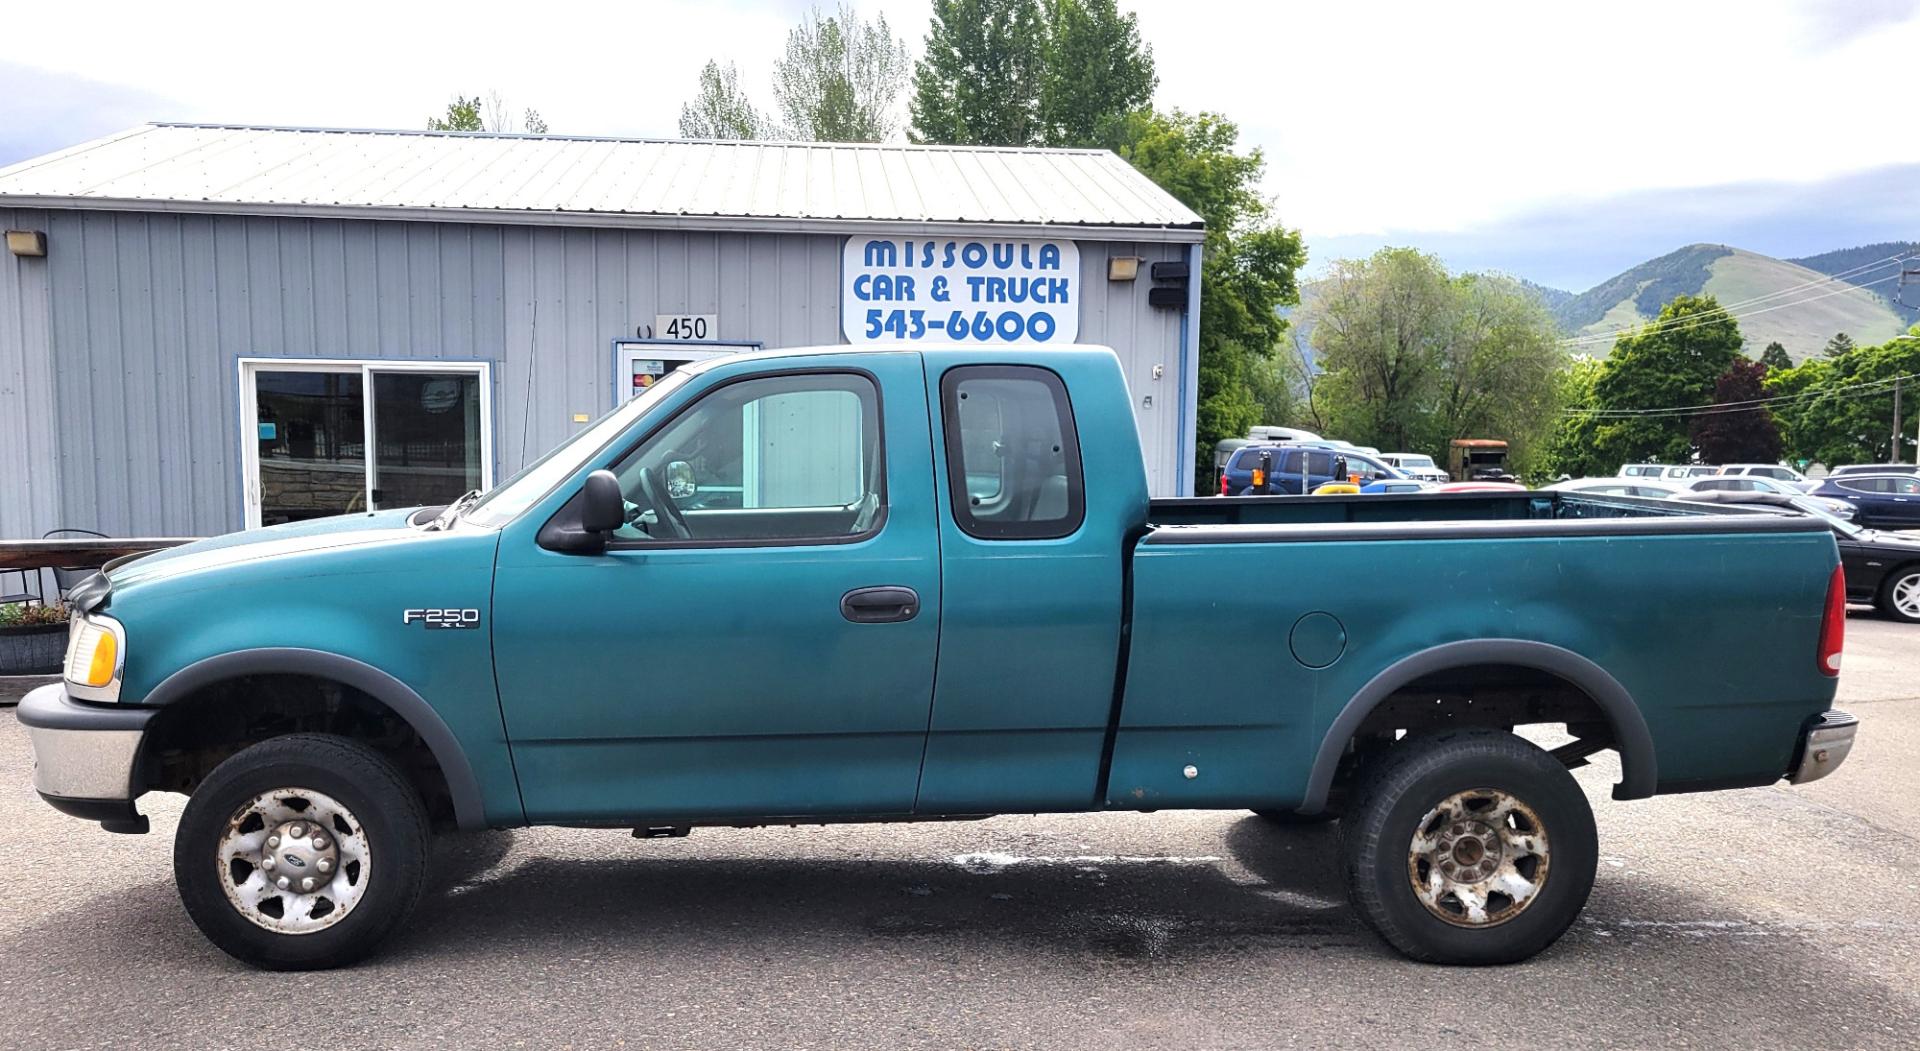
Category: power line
<point>1720,314</point>
<point>1730,307</point>
<point>1879,386</point>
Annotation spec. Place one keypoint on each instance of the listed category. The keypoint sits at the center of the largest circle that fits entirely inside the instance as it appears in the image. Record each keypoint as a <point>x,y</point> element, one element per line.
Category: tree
<point>1030,73</point>
<point>490,114</point>
<point>1248,261</point>
<point>1840,344</point>
<point>978,82</point>
<point>1775,357</point>
<point>1415,356</point>
<point>1096,70</point>
<point>721,110</point>
<point>840,78</point>
<point>1671,363</point>
<point>1840,410</point>
<point>1743,435</point>
<point>1569,450</point>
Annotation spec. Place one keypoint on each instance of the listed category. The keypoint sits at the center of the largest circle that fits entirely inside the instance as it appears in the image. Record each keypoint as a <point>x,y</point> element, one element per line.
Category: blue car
<point>1885,501</point>
<point>1322,464</point>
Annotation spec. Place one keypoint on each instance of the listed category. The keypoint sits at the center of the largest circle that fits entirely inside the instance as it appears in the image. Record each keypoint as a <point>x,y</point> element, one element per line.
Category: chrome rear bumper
<point>1824,746</point>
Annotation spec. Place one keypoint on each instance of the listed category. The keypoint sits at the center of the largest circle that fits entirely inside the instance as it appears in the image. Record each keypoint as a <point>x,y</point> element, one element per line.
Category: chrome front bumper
<point>1824,746</point>
<point>84,755</point>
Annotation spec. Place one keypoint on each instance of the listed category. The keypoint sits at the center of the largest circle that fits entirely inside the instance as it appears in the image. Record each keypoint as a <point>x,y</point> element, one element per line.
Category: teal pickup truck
<point>928,583</point>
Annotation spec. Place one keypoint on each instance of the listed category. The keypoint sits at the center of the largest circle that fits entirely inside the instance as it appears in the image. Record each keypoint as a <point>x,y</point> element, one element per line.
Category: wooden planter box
<point>36,649</point>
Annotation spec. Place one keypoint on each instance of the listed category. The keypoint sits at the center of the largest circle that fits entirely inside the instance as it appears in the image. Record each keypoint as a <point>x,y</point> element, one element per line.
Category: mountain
<point>1874,266</point>
<point>1800,307</point>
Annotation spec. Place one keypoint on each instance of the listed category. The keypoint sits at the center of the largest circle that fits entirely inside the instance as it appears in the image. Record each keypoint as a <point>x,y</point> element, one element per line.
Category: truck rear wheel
<point>1471,847</point>
<point>301,852</point>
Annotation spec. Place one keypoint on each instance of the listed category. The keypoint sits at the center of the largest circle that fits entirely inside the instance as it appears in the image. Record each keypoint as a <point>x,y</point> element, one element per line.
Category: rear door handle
<point>880,605</point>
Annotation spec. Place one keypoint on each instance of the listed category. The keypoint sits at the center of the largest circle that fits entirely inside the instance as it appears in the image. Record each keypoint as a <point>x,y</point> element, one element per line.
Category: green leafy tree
<point>720,109</point>
<point>1840,344</point>
<point>840,78</point>
<point>1248,263</point>
<point>1096,71</point>
<point>1030,73</point>
<point>1776,357</point>
<point>489,114</point>
<point>463,114</point>
<point>978,81</point>
<point>1738,435</point>
<point>1416,356</point>
<point>1569,449</point>
<point>1840,410</point>
<point>1671,363</point>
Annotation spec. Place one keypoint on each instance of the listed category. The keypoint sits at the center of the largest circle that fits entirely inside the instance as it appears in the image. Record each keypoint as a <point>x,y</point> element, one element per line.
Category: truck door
<point>759,640</point>
<point>1032,538</point>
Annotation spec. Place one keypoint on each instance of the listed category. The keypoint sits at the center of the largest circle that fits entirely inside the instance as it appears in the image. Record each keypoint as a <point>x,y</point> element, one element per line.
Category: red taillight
<point>1223,485</point>
<point>1833,626</point>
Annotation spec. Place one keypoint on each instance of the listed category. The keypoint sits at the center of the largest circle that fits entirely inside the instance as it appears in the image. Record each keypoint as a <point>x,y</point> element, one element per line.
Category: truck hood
<point>319,534</point>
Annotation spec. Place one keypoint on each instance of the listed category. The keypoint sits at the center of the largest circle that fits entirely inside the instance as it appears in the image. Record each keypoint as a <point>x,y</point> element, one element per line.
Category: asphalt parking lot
<point>1770,917</point>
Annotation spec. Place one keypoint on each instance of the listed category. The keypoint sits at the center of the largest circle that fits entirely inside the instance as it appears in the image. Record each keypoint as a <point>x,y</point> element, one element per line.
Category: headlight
<point>96,653</point>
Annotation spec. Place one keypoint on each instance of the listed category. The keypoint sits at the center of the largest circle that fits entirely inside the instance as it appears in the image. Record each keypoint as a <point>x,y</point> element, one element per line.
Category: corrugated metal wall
<point>134,323</point>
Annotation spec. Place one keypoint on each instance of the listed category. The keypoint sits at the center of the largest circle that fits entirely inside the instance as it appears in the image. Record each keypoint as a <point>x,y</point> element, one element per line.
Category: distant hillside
<point>1554,298</point>
<point>1802,320</point>
<point>1864,259</point>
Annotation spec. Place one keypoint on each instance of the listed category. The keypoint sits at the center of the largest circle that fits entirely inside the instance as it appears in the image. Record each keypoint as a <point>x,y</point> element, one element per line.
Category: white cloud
<point>1374,116</point>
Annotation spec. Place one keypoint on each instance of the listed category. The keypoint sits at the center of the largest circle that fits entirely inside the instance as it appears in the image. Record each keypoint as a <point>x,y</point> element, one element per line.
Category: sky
<point>1558,141</point>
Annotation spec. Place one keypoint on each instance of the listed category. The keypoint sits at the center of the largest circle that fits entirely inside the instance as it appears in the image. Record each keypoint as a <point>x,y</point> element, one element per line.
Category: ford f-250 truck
<point>906,584</point>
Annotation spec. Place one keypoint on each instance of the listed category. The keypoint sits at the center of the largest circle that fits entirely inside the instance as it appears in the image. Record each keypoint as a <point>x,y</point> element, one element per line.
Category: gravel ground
<point>1769,917</point>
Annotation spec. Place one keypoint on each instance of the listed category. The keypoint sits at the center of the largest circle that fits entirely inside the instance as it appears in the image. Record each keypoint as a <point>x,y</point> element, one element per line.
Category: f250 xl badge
<point>436,619</point>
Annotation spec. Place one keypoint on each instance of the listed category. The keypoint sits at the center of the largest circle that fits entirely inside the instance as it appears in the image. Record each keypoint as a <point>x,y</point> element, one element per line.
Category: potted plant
<point>33,639</point>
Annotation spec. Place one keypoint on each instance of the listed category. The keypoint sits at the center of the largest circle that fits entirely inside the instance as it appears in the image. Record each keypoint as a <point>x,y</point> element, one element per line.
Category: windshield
<point>1416,461</point>
<point>538,478</point>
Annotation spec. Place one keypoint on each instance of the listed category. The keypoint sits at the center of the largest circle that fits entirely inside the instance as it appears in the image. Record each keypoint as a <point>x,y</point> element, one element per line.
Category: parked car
<point>1875,468</point>
<point>1620,486</point>
<point>1480,487</point>
<point>1401,486</point>
<point>1882,568</point>
<point>1682,472</point>
<point>1415,465</point>
<point>329,691</point>
<point>1643,470</point>
<point>1322,463</point>
<point>1759,483</point>
<point>1885,501</point>
<point>1777,472</point>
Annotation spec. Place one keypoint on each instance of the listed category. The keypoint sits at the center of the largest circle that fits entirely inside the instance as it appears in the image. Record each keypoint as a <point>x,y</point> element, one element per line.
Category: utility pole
<point>1894,456</point>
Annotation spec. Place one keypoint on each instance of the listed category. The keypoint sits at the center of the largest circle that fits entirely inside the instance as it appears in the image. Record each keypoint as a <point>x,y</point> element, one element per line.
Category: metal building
<point>209,327</point>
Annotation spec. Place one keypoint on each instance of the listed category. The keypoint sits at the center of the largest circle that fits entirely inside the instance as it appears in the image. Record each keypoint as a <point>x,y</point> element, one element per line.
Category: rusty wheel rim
<point>1479,858</point>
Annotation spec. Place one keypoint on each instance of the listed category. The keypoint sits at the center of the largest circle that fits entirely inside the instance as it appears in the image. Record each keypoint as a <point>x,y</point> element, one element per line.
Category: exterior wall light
<point>1123,268</point>
<point>27,242</point>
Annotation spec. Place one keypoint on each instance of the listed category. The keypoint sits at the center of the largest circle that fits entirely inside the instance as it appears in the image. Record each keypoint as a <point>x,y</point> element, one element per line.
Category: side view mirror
<point>603,508</point>
<point>680,484</point>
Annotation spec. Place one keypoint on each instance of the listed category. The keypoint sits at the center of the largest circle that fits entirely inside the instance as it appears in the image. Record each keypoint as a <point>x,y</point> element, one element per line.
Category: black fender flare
<point>468,810</point>
<point>1638,768</point>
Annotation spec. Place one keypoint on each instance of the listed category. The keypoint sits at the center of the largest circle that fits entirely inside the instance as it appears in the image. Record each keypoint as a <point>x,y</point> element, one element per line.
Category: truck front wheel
<point>1471,847</point>
<point>301,852</point>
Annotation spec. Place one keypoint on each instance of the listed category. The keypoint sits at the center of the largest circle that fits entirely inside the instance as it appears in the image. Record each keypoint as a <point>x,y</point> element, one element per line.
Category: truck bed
<point>1288,607</point>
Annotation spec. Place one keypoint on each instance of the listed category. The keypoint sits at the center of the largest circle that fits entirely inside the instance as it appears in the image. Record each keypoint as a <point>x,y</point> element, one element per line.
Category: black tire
<point>392,821</point>
<point>1885,598</point>
<point>1291,819</point>
<point>1395,802</point>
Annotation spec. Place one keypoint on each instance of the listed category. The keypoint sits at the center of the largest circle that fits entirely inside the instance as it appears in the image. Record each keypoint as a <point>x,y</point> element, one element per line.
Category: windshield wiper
<point>454,509</point>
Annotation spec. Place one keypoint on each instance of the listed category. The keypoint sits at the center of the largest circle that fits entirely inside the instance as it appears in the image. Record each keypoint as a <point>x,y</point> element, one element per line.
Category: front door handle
<point>880,605</point>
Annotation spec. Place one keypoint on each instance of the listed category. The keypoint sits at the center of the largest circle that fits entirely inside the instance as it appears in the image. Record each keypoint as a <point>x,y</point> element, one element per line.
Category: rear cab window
<point>1013,454</point>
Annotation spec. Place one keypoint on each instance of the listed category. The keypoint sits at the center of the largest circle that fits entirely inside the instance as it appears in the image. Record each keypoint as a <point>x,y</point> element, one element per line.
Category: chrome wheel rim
<point>1906,594</point>
<point>294,861</point>
<point>1479,858</point>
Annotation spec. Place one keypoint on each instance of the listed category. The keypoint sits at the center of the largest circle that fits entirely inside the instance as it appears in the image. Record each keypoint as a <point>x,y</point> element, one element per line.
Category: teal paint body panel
<point>339,586</point>
<point>1254,732</point>
<point>701,682</point>
<point>1030,629</point>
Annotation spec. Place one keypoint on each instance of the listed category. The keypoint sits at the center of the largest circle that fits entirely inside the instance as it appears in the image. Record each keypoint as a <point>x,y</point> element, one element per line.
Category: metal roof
<point>587,181</point>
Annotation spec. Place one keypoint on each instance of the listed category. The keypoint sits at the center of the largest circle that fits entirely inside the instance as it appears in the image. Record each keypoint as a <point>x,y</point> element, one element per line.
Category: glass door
<point>337,437</point>
<point>310,437</point>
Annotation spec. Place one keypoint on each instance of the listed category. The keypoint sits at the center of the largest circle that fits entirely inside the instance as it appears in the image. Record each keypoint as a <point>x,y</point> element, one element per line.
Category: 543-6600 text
<point>1009,326</point>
